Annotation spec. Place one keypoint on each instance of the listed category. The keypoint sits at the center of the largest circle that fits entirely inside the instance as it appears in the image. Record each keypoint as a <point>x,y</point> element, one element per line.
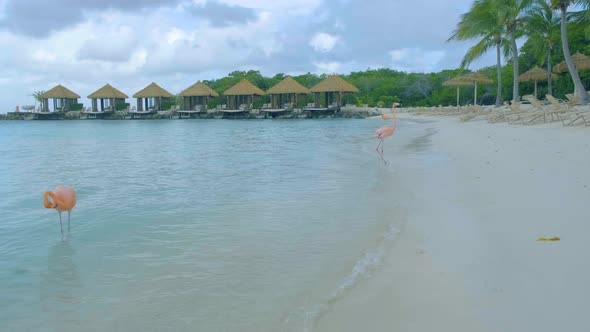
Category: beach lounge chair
<point>474,112</point>
<point>562,109</point>
<point>570,114</point>
<point>572,100</point>
<point>506,113</point>
<point>540,110</point>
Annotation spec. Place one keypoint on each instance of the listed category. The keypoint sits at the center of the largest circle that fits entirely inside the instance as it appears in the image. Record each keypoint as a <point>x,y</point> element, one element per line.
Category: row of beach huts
<point>287,96</point>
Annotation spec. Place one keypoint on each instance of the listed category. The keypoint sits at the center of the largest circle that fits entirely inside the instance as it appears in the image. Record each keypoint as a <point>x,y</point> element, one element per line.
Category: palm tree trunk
<point>580,91</point>
<point>549,75</point>
<point>499,72</point>
<point>515,96</point>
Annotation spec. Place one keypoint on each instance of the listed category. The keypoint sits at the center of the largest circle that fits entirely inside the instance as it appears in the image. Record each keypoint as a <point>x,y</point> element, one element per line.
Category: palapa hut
<point>107,93</point>
<point>153,95</point>
<point>196,97</point>
<point>242,95</point>
<point>457,82</point>
<point>288,88</point>
<point>62,97</point>
<point>537,74</point>
<point>334,88</point>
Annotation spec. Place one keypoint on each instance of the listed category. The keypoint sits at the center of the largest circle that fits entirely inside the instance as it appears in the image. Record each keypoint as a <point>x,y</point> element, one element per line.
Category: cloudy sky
<point>84,44</point>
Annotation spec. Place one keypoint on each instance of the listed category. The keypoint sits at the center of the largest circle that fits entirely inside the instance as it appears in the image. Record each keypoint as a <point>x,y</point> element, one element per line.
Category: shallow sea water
<point>215,225</point>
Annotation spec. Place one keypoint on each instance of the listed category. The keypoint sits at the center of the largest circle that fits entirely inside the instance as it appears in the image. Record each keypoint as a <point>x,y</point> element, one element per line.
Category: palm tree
<point>512,15</point>
<point>37,95</point>
<point>562,6</point>
<point>481,22</point>
<point>542,28</point>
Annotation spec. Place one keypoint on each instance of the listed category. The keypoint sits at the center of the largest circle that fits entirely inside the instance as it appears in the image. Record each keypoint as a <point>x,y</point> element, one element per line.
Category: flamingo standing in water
<point>382,133</point>
<point>63,198</point>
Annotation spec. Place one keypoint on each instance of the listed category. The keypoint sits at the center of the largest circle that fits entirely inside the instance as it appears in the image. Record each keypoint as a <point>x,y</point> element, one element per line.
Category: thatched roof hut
<point>153,95</point>
<point>152,91</point>
<point>334,87</point>
<point>334,83</point>
<point>62,98</point>
<point>196,96</point>
<point>288,86</point>
<point>60,92</point>
<point>244,88</point>
<point>109,93</point>
<point>199,89</point>
<point>242,94</point>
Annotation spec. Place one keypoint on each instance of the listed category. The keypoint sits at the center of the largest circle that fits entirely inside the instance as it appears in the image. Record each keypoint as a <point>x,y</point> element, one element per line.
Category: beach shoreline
<point>467,258</point>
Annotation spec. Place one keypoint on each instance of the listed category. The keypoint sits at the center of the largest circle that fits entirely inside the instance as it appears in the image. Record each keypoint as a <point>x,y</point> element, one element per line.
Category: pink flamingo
<point>63,199</point>
<point>382,133</point>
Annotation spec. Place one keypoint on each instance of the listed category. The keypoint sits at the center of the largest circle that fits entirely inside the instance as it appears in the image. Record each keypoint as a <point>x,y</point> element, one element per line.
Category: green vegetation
<point>76,106</point>
<point>121,106</point>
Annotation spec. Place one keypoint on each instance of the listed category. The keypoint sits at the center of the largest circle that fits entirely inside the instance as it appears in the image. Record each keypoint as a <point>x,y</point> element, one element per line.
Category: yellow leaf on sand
<point>547,239</point>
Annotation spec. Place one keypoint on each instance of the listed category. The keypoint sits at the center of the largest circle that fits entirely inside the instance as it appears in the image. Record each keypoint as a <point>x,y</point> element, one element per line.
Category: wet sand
<point>467,258</point>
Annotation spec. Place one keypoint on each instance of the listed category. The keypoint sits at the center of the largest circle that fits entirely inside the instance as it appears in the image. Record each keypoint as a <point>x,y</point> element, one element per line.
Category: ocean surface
<point>204,225</point>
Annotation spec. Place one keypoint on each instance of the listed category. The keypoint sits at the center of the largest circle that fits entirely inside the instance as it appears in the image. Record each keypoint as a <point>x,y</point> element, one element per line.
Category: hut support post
<point>535,88</point>
<point>475,98</point>
<point>101,105</point>
<point>457,96</point>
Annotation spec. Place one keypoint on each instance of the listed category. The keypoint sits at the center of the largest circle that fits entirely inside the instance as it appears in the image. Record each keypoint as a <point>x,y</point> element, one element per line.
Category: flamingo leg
<point>68,221</point>
<point>61,225</point>
<point>380,151</point>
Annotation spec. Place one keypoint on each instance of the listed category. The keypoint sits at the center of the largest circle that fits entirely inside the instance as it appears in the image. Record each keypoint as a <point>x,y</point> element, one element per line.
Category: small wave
<point>362,270</point>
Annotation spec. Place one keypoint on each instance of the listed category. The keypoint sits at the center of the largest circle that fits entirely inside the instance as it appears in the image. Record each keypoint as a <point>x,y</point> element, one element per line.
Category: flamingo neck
<point>49,204</point>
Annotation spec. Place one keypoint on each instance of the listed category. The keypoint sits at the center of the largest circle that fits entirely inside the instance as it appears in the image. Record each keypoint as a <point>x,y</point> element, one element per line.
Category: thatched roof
<point>580,60</point>
<point>456,81</point>
<point>536,74</point>
<point>468,79</point>
<point>243,88</point>
<point>288,85</point>
<point>107,92</point>
<point>151,91</point>
<point>334,83</point>
<point>199,89</point>
<point>60,92</point>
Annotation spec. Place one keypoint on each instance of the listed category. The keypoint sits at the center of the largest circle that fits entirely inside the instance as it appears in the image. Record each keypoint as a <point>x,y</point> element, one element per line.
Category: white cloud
<point>327,67</point>
<point>323,42</point>
<point>416,59</point>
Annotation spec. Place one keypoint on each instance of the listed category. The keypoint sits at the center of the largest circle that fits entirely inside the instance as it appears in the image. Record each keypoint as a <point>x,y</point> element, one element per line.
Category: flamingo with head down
<point>382,133</point>
<point>63,198</point>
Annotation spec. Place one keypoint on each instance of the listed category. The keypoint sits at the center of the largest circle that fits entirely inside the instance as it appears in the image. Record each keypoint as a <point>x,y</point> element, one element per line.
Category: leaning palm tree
<point>512,14</point>
<point>542,28</point>
<point>481,22</point>
<point>562,6</point>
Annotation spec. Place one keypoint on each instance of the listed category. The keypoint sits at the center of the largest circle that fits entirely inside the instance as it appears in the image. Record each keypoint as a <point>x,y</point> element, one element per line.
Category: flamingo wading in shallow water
<point>63,198</point>
<point>382,133</point>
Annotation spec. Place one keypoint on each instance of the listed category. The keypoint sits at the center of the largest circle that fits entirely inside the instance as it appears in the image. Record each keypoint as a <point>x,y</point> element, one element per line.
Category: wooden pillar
<point>316,99</point>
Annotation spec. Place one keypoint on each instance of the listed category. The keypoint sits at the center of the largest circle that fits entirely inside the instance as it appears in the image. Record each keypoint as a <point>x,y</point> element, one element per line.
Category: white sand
<point>467,258</point>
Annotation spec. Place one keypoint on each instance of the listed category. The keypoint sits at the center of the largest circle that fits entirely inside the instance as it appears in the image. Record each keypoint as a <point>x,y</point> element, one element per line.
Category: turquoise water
<point>190,225</point>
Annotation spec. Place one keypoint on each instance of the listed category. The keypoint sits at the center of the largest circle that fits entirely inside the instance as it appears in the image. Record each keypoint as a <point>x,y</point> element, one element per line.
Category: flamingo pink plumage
<point>63,199</point>
<point>382,133</point>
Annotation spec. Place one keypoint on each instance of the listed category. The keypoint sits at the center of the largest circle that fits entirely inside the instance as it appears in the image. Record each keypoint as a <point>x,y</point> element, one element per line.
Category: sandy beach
<point>467,258</point>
